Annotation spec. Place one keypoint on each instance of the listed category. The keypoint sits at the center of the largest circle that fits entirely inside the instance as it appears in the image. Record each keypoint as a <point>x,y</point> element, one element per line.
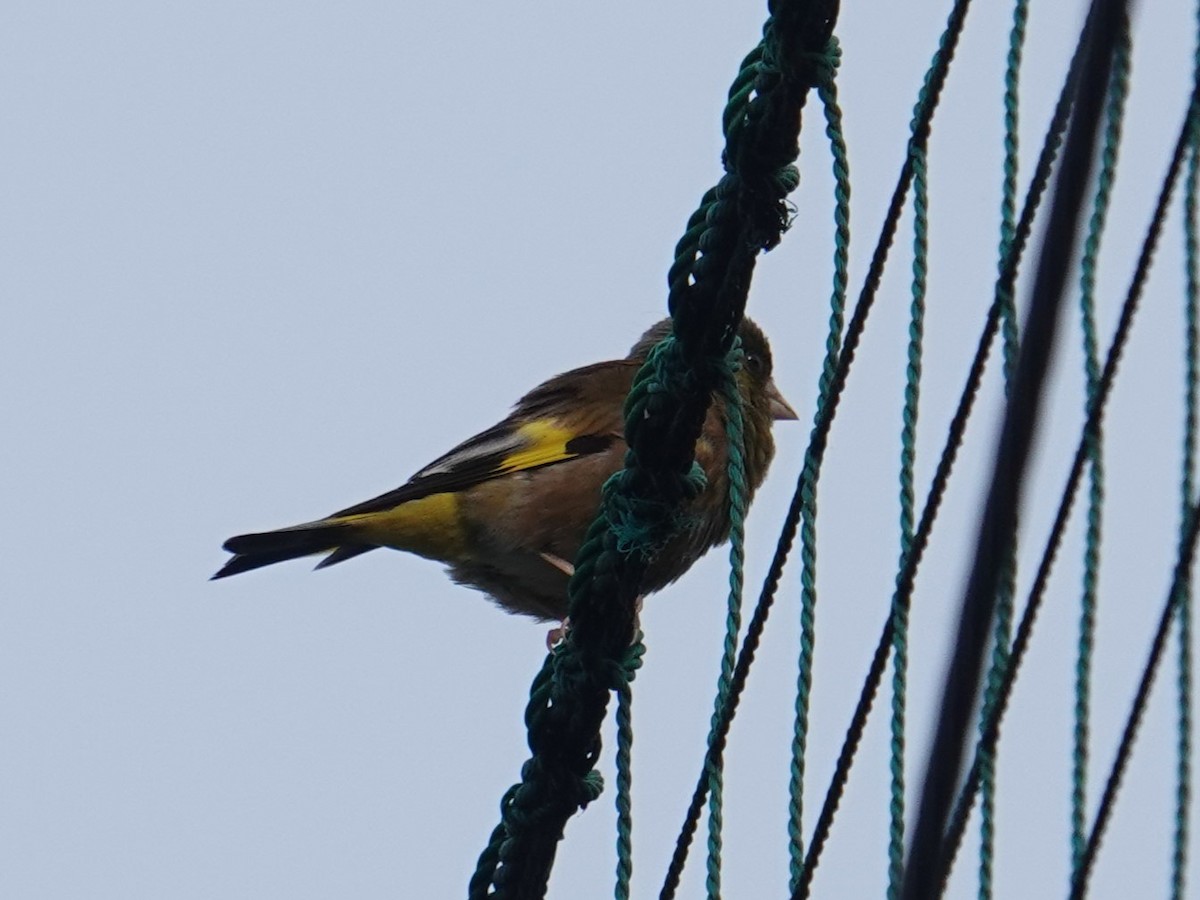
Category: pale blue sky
<point>264,260</point>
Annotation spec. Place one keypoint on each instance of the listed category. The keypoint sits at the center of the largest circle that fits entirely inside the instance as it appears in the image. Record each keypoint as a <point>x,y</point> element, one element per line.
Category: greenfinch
<point>507,510</point>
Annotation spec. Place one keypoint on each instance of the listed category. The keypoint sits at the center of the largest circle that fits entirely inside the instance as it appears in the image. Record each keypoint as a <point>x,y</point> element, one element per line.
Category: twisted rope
<point>1183,678</point>
<point>1118,90</point>
<point>1011,346</point>
<point>736,471</point>
<point>908,441</point>
<point>807,488</point>
<point>624,718</point>
<point>742,216</point>
<point>719,733</point>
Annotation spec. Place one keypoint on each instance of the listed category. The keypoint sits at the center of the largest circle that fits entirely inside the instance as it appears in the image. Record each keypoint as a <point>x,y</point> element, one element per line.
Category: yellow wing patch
<point>432,525</point>
<point>547,443</point>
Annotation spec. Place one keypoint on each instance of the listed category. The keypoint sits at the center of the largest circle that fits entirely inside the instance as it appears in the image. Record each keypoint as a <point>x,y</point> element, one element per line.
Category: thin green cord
<point>1183,682</point>
<point>930,94</point>
<point>1114,115</point>
<point>736,473</point>
<point>624,791</point>
<point>1183,679</point>
<point>1011,346</point>
<point>1001,674</point>
<point>1036,596</point>
<point>908,443</point>
<point>827,92</point>
<point>624,765</point>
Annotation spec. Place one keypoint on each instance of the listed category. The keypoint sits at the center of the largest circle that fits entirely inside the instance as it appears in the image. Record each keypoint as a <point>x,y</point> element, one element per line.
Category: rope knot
<point>621,672</point>
<point>818,68</point>
<point>642,523</point>
<point>557,791</point>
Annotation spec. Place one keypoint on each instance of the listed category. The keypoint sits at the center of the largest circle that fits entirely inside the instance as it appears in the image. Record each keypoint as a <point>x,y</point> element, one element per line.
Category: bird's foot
<point>557,634</point>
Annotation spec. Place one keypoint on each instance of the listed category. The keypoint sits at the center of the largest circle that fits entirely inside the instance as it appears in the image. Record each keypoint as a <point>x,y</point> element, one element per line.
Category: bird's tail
<point>333,536</point>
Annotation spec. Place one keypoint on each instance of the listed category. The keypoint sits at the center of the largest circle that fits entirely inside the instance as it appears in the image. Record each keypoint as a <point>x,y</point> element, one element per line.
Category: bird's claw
<point>557,634</point>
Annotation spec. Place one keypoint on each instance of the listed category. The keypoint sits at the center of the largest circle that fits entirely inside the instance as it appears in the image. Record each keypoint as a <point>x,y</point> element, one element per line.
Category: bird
<point>506,510</point>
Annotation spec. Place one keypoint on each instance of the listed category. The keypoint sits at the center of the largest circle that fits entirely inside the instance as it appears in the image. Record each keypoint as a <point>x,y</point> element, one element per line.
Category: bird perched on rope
<point>507,510</point>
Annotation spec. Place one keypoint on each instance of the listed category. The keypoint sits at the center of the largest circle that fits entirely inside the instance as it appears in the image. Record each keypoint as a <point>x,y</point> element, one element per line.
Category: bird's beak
<point>781,410</point>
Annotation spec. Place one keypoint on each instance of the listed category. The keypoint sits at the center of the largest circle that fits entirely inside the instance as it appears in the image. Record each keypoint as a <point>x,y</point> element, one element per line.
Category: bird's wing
<point>576,414</point>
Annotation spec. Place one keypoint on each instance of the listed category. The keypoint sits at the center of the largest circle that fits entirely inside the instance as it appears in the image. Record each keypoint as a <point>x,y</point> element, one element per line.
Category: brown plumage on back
<point>507,510</point>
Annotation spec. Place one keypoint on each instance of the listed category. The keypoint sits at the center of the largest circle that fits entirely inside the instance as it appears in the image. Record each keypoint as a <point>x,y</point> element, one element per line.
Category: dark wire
<point>923,875</point>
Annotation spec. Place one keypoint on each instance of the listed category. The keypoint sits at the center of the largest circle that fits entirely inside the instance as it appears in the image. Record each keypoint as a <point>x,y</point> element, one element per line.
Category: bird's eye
<point>754,364</point>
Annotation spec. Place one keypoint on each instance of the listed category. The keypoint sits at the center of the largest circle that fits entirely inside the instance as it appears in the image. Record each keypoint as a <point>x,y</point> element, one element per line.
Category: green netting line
<point>908,452</point>
<point>1176,598</point>
<point>811,472</point>
<point>1024,631</point>
<point>1187,549</point>
<point>827,92</point>
<point>926,866</point>
<point>624,766</point>
<point>736,472</point>
<point>931,93</point>
<point>906,577</point>
<point>1118,90</point>
<point>742,216</point>
<point>1009,329</point>
<point>803,864</point>
<point>1183,678</point>
<point>726,708</point>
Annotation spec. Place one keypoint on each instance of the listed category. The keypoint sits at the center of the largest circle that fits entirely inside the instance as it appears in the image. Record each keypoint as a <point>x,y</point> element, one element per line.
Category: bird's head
<point>755,380</point>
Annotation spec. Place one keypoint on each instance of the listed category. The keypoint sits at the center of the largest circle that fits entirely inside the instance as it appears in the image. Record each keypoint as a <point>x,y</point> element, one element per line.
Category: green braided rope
<point>908,447</point>
<point>1184,146</point>
<point>1114,114</point>
<point>929,96</point>
<point>1002,632</point>
<point>624,764</point>
<point>741,91</point>
<point>1183,678</point>
<point>738,502</point>
<point>812,464</point>
<point>1012,108</point>
<point>770,85</point>
<point>827,92</point>
<point>808,603</point>
<point>800,871</point>
<point>479,887</point>
<point>639,511</point>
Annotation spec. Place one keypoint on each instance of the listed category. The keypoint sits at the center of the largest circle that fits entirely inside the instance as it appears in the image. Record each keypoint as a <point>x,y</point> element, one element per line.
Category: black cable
<point>990,733</point>
<point>905,579</point>
<point>924,869</point>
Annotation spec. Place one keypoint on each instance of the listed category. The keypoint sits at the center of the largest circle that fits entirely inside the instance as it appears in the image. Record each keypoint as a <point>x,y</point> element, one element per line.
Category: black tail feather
<point>238,564</point>
<point>343,553</point>
<point>252,551</point>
